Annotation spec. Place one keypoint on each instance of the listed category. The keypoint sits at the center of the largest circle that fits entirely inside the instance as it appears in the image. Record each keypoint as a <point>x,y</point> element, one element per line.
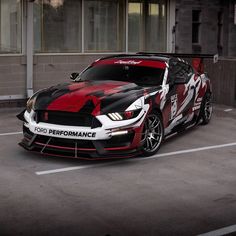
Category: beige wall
<point>50,70</point>
<point>12,76</point>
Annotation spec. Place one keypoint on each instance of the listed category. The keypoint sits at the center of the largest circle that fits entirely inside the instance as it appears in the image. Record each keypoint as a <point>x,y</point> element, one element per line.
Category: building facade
<point>43,41</point>
<point>85,26</point>
<point>206,26</point>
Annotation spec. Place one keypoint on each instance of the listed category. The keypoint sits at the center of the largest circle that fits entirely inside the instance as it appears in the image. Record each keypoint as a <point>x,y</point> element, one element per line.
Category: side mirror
<point>180,80</point>
<point>74,75</point>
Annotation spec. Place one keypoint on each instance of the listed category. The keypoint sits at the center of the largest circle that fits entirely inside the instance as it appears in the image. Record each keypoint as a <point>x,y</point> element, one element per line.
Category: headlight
<point>30,104</point>
<point>31,101</point>
<point>117,116</point>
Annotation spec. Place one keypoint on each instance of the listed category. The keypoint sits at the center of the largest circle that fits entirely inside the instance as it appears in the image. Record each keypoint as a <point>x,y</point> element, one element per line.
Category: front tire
<point>152,135</point>
<point>206,109</point>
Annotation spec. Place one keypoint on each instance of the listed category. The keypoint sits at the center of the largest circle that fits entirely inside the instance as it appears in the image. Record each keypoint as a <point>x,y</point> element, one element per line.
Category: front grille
<point>67,143</point>
<point>67,118</point>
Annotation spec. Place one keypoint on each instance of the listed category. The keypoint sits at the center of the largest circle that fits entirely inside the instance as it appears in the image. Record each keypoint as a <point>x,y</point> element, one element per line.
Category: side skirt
<point>182,128</point>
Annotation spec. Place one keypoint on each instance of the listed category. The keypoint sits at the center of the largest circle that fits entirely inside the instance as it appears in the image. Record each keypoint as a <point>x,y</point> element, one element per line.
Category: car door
<point>185,91</point>
<point>179,97</point>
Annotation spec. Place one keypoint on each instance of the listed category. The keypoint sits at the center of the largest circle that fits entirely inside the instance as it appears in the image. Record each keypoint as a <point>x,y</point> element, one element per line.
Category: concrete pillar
<point>170,26</point>
<point>29,48</point>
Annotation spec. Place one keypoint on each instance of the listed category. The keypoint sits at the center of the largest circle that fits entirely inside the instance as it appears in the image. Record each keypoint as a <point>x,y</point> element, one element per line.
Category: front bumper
<point>116,147</point>
<point>83,142</point>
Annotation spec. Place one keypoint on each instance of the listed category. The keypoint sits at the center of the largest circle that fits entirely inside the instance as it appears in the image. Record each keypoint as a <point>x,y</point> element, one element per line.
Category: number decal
<point>174,100</point>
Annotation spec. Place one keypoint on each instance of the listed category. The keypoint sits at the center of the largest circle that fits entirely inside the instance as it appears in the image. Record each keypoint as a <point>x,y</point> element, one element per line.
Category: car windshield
<point>141,75</point>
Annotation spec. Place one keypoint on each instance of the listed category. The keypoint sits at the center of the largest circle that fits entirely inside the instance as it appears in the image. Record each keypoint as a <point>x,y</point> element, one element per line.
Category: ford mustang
<point>119,106</point>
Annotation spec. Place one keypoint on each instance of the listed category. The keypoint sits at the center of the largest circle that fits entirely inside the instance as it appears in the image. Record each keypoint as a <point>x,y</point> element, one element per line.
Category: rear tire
<point>152,134</point>
<point>206,109</point>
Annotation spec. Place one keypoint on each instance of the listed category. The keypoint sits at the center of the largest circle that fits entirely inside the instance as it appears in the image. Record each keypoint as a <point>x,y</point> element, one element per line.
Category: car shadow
<point>70,161</point>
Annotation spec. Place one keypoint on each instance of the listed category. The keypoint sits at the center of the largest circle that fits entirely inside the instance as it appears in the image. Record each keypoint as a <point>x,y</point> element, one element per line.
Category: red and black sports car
<point>119,106</point>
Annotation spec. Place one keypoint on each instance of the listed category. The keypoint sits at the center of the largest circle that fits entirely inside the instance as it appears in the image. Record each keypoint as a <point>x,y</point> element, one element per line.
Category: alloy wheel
<point>208,108</point>
<point>152,133</point>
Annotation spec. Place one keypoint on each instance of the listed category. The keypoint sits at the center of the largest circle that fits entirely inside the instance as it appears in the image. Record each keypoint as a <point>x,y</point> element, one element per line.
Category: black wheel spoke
<point>208,108</point>
<point>156,125</point>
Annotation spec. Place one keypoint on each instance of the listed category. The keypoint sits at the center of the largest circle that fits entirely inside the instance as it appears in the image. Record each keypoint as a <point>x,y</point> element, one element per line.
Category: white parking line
<point>13,133</point>
<point>192,150</point>
<point>228,110</point>
<point>220,232</point>
<point>46,172</point>
<point>135,159</point>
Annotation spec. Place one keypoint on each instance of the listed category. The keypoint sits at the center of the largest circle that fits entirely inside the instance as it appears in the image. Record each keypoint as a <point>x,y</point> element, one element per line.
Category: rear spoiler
<point>197,59</point>
<point>215,57</point>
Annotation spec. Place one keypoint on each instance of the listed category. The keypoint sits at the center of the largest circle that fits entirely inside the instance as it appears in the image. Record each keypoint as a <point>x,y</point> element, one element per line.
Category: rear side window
<point>178,68</point>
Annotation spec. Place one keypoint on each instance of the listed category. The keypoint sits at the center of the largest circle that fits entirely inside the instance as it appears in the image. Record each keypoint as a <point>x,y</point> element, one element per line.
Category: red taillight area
<point>198,65</point>
<point>128,114</point>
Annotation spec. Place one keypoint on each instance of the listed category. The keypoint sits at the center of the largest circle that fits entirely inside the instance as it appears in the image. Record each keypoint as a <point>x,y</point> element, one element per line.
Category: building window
<point>175,30</point>
<point>57,28</point>
<point>99,26</point>
<point>147,25</point>
<point>10,26</point>
<point>220,33</point>
<point>196,23</point>
<point>104,25</point>
<point>135,26</point>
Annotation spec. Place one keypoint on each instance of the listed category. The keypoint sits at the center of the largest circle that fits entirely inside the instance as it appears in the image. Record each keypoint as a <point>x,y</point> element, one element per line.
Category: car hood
<point>94,97</point>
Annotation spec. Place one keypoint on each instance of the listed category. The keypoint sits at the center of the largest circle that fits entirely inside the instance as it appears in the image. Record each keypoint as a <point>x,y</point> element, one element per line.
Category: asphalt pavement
<point>188,188</point>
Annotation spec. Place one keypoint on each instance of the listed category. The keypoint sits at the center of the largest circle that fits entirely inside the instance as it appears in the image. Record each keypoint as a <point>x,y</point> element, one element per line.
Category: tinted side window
<point>178,68</point>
